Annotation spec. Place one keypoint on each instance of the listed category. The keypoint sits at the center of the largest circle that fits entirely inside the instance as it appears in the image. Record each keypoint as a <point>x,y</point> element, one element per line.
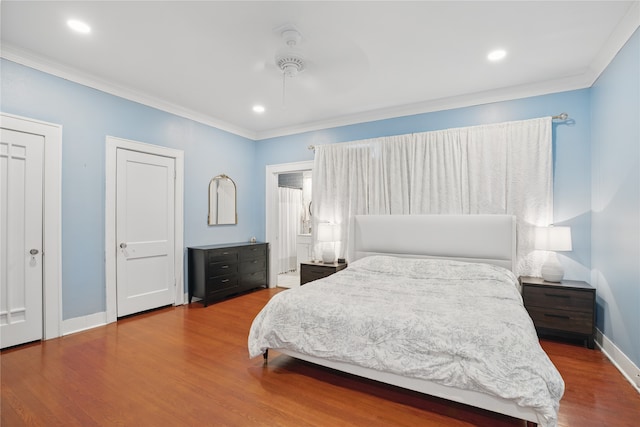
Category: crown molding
<point>580,81</point>
<point>616,41</point>
<point>621,34</point>
<point>14,54</point>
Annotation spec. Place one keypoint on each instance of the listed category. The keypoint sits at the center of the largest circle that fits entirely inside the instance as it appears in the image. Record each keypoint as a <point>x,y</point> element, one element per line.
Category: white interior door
<point>145,264</point>
<point>21,169</point>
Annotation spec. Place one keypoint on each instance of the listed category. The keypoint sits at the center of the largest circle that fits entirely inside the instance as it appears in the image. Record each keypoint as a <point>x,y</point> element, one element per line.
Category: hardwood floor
<point>189,366</point>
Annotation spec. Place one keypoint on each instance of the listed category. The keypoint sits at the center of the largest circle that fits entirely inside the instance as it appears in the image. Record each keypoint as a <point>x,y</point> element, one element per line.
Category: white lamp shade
<point>327,232</point>
<point>328,235</point>
<point>553,238</point>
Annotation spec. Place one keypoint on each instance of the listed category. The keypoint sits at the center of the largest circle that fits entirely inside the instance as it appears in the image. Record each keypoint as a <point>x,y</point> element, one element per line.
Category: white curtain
<point>290,213</point>
<point>503,168</point>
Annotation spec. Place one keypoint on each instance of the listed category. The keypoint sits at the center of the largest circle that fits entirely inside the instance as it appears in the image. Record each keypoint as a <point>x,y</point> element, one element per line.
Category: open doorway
<point>294,226</point>
<point>288,215</point>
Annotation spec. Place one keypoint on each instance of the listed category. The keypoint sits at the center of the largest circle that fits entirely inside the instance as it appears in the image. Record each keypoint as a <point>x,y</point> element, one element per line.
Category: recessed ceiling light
<point>258,109</point>
<point>78,26</point>
<point>496,55</point>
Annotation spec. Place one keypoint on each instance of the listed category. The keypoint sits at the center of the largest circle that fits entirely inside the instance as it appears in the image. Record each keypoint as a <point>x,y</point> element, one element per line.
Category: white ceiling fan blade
<point>338,63</point>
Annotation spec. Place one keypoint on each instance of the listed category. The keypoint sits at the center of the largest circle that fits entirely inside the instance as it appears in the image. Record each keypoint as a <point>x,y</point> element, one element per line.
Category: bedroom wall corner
<point>615,108</point>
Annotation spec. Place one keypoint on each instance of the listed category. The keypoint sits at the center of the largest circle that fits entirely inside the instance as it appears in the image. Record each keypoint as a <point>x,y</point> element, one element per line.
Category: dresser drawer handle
<point>224,280</point>
<point>224,266</point>
<point>559,316</point>
<point>557,296</point>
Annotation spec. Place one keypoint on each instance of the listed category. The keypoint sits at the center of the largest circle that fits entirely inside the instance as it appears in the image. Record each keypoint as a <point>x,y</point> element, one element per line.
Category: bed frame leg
<point>265,356</point>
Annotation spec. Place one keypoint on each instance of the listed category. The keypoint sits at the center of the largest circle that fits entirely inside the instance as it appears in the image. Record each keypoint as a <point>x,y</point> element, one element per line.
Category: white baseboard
<point>77,324</point>
<point>620,360</point>
<point>83,323</point>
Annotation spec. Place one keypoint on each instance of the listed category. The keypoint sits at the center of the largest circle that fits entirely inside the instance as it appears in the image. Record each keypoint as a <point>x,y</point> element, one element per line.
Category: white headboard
<point>473,238</point>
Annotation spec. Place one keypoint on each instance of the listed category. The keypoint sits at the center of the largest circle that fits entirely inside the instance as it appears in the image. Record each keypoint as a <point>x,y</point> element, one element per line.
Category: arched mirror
<point>222,201</point>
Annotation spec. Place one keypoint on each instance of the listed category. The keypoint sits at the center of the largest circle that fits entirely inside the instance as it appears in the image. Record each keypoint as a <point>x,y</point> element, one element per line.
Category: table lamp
<point>327,235</point>
<point>553,239</point>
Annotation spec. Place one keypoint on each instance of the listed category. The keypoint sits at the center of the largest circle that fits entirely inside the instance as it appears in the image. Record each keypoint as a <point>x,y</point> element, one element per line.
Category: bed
<point>401,313</point>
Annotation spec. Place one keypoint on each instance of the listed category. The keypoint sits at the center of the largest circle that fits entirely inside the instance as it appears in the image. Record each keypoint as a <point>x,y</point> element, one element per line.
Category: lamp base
<point>552,270</point>
<point>328,256</point>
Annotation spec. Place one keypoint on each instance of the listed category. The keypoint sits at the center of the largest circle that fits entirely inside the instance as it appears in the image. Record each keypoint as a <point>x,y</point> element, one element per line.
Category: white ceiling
<point>212,61</point>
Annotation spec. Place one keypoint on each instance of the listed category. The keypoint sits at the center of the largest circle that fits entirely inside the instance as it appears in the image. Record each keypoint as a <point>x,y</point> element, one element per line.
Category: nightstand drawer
<point>309,275</point>
<point>564,299</point>
<point>311,271</point>
<point>563,320</point>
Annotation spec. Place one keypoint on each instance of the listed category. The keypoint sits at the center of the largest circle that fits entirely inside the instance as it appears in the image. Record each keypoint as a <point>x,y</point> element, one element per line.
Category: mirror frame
<point>213,205</point>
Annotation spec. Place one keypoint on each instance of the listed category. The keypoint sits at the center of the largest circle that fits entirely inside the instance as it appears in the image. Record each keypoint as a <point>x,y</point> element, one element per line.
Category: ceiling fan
<point>329,65</point>
<point>290,59</point>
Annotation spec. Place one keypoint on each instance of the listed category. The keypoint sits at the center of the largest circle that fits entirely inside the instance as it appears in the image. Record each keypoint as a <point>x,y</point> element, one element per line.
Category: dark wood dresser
<point>565,309</point>
<point>218,271</point>
<point>310,271</point>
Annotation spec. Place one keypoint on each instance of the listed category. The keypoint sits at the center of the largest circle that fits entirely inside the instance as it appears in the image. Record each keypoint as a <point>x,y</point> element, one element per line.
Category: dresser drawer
<point>222,255</point>
<point>251,252</point>
<point>254,279</point>
<point>222,283</point>
<point>252,265</point>
<point>220,268</point>
<point>564,299</point>
<point>562,320</point>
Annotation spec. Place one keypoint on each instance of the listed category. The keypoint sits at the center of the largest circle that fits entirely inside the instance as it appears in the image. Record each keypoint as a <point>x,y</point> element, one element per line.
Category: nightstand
<point>310,271</point>
<point>565,309</point>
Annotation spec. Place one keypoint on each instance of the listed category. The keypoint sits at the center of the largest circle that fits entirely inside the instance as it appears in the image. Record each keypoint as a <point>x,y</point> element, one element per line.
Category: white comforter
<point>454,323</point>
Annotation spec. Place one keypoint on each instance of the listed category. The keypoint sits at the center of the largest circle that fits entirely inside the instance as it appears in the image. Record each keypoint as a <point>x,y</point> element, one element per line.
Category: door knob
<point>33,252</point>
<point>123,245</point>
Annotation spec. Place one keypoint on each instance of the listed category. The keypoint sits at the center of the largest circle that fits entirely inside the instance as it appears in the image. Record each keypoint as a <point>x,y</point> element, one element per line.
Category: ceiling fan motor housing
<point>290,59</point>
<point>290,63</point>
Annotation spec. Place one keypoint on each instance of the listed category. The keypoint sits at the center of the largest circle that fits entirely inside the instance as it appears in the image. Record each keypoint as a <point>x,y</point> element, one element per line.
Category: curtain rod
<point>561,116</point>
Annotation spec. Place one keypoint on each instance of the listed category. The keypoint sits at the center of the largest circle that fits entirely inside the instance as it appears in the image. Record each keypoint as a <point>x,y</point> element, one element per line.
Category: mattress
<point>454,323</point>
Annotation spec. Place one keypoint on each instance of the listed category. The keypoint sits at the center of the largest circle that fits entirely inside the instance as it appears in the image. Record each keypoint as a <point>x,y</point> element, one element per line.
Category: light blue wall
<point>571,144</point>
<point>607,114</point>
<point>87,117</point>
<point>615,100</point>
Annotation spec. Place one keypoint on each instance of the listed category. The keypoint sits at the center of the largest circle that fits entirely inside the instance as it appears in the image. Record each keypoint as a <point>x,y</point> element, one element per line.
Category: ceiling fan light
<point>290,70</point>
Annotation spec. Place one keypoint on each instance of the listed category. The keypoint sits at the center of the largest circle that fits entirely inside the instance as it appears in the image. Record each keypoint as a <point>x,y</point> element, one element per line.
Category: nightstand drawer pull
<point>556,295</point>
<point>557,316</point>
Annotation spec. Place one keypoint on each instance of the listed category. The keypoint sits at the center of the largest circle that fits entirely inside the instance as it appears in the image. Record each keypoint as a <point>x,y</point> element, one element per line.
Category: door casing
<point>112,145</point>
<point>271,209</point>
<point>52,217</point>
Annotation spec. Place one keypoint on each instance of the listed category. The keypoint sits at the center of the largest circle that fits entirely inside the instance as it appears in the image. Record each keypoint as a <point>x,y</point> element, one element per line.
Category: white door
<point>21,169</point>
<point>145,198</point>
